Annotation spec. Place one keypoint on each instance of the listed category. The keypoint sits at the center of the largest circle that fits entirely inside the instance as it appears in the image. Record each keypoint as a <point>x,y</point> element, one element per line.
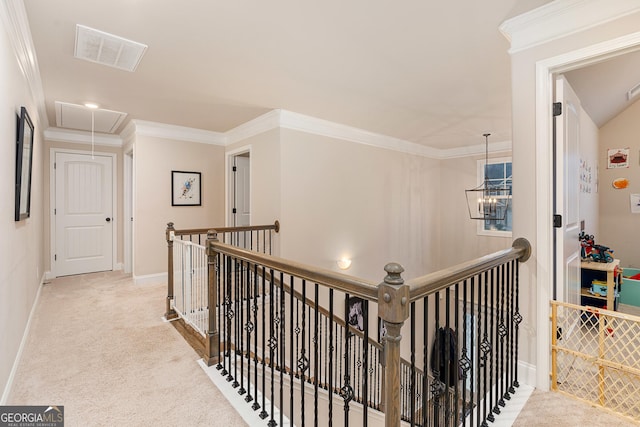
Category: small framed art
<point>186,188</point>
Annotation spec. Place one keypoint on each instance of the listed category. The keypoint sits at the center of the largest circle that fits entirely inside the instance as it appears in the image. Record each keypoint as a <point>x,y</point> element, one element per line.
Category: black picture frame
<point>186,188</point>
<point>357,314</point>
<point>24,163</point>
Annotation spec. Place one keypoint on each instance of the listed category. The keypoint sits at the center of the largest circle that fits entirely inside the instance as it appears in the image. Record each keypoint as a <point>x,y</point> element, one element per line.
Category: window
<point>498,172</point>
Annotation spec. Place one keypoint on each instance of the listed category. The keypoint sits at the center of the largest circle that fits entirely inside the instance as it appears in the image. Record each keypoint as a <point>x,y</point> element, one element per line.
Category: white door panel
<point>242,191</point>
<point>83,214</point>
<point>567,193</point>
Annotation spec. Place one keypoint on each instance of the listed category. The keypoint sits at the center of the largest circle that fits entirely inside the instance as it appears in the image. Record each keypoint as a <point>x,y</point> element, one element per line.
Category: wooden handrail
<point>429,284</point>
<point>352,285</point>
<point>275,226</point>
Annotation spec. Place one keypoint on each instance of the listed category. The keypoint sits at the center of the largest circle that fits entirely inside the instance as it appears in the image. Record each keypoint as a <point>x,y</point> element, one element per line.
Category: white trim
<point>23,342</point>
<point>52,204</point>
<point>14,19</point>
<point>82,137</point>
<point>562,18</point>
<point>544,188</point>
<point>526,373</point>
<point>261,124</point>
<point>148,279</point>
<point>180,133</point>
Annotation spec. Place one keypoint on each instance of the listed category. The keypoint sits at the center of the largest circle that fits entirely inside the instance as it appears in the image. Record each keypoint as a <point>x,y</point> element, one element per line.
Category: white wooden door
<point>242,194</point>
<point>83,214</point>
<point>567,161</point>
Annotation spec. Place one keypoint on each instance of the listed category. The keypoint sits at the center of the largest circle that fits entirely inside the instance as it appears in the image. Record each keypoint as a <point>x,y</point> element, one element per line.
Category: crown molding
<point>475,150</point>
<point>260,124</point>
<point>561,18</point>
<point>180,133</point>
<point>300,122</point>
<point>14,19</point>
<point>82,137</point>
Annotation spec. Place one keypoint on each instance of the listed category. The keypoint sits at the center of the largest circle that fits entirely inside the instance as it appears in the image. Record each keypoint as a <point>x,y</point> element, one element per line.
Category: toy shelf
<point>604,273</point>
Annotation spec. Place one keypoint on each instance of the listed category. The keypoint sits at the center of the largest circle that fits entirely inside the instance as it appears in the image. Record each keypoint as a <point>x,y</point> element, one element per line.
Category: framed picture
<point>24,160</point>
<point>357,313</point>
<point>186,188</point>
<point>617,158</point>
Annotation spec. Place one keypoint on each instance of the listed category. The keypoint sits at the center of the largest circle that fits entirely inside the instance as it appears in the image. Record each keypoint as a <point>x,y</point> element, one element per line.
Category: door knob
<point>108,219</point>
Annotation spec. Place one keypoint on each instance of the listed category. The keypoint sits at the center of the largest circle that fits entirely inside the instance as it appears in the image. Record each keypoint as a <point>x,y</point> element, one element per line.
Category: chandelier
<point>490,201</point>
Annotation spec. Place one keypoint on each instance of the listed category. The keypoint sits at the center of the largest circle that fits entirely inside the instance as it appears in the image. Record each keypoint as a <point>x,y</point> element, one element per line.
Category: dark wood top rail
<point>441,280</point>
<point>341,282</point>
<point>185,232</point>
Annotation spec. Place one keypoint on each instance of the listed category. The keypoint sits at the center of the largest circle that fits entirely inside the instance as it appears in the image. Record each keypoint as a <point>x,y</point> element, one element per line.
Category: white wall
<point>588,209</point>
<point>21,252</point>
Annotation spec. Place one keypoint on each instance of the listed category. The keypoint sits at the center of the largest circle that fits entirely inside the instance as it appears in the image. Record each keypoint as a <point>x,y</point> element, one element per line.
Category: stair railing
<point>260,300</point>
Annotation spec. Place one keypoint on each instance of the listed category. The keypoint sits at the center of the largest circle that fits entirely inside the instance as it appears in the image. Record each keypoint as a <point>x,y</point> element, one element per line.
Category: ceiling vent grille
<point>106,49</point>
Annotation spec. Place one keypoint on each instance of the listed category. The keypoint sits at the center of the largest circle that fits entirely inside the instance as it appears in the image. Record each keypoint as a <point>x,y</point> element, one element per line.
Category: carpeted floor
<point>98,346</point>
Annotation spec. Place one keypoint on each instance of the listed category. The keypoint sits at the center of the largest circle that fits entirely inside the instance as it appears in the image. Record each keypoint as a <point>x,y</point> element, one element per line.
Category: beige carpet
<point>98,346</point>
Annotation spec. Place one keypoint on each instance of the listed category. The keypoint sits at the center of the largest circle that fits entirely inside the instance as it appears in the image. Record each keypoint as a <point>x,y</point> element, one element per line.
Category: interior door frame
<point>52,203</point>
<point>228,188</point>
<point>128,203</point>
<point>545,72</point>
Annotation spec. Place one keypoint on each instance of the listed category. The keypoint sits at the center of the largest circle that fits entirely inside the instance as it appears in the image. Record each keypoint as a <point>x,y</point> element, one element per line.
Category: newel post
<point>212,341</point>
<point>170,313</point>
<point>393,308</point>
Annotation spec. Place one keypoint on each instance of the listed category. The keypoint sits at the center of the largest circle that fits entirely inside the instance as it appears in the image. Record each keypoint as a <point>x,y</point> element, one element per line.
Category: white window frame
<point>480,175</point>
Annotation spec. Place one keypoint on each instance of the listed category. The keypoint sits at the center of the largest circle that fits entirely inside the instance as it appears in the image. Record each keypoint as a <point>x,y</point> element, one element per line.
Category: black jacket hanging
<point>444,356</point>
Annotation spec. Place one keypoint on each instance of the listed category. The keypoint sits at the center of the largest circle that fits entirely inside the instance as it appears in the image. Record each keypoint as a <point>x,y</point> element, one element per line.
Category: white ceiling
<point>433,73</point>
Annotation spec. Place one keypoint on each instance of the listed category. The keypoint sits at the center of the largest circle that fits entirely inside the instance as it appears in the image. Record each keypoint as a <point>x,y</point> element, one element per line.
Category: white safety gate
<point>190,284</point>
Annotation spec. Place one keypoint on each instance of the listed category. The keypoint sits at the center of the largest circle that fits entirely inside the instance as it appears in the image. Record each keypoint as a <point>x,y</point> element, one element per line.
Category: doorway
<point>239,189</point>
<point>83,226</point>
<point>545,72</point>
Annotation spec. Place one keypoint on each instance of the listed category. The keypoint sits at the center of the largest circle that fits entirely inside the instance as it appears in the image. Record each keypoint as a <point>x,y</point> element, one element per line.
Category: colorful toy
<point>589,249</point>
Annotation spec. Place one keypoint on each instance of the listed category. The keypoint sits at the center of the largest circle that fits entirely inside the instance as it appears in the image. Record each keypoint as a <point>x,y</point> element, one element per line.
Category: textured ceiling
<point>434,73</point>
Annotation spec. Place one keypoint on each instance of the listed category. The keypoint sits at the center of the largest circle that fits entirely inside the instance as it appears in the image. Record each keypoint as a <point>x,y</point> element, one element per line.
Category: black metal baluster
<point>365,386</point>
<point>330,340</point>
<point>425,359</point>
<point>292,365</point>
<point>447,356</point>
<point>273,343</point>
<point>485,348</point>
<point>346,392</point>
<point>254,309</point>
<point>249,328</point>
<point>229,313</point>
<point>236,318</point>
<point>263,413</point>
<point>456,361</point>
<point>517,318</point>
<point>496,339</point>
<point>241,326</point>
<point>219,308</point>
<point>412,381</point>
<point>303,361</point>
<point>315,358</point>
<point>437,387</point>
<point>507,311</point>
<point>512,328</point>
<point>281,359</point>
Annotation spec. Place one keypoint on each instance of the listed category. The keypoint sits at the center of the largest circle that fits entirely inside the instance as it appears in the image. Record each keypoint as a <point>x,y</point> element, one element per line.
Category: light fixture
<point>489,202</point>
<point>344,263</point>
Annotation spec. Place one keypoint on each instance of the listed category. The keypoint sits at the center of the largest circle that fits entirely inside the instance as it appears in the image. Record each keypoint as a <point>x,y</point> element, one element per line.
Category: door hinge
<point>54,165</point>
<point>55,211</point>
<point>234,210</point>
<point>55,257</point>
<point>557,108</point>
<point>235,169</point>
<point>557,221</point>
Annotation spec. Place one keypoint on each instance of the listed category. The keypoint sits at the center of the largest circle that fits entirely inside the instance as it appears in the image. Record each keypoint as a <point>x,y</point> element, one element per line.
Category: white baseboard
<point>25,335</point>
<point>49,275</point>
<point>527,374</point>
<point>150,279</point>
<point>118,266</point>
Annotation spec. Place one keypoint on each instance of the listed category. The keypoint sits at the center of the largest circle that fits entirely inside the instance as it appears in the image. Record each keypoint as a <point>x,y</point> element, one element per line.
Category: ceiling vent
<point>107,49</point>
<point>73,116</point>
